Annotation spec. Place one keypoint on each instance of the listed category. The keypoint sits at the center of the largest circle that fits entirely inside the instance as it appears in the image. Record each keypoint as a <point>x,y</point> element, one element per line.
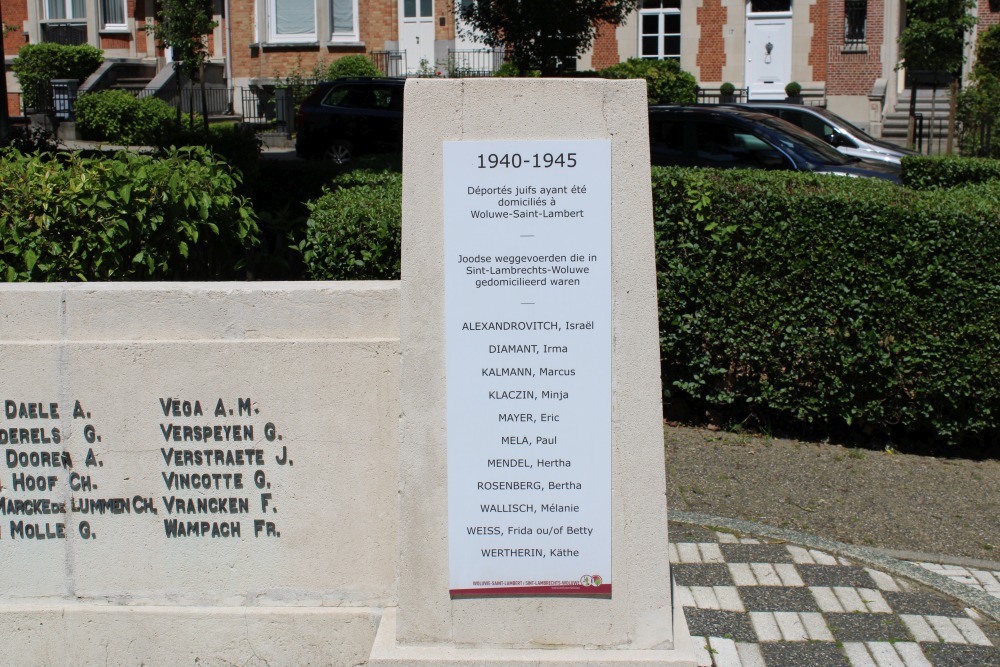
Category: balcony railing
<point>67,34</point>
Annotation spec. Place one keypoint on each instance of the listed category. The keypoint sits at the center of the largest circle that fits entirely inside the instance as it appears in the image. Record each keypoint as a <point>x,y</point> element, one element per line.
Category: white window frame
<point>292,38</point>
<point>418,8</point>
<point>113,27</point>
<point>352,36</point>
<point>660,13</point>
<point>67,10</point>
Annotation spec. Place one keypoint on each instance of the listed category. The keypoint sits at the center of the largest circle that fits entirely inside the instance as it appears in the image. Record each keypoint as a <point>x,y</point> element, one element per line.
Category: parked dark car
<point>726,137</point>
<point>342,119</point>
<point>834,130</point>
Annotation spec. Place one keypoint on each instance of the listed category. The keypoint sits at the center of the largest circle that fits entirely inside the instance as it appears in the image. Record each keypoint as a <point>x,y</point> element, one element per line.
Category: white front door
<point>416,34</point>
<point>769,49</point>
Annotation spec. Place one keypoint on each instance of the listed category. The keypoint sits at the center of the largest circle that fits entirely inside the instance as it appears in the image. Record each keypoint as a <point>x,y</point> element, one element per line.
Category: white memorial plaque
<point>528,338</point>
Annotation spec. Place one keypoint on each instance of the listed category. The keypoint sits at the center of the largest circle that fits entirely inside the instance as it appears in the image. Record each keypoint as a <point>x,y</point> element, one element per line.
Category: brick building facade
<point>843,52</point>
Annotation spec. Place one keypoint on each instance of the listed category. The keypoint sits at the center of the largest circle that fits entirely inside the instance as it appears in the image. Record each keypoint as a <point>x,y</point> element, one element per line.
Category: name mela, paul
<point>523,440</point>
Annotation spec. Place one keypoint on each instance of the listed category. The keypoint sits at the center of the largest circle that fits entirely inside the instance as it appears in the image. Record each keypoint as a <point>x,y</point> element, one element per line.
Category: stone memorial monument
<point>531,474</point>
<point>461,468</point>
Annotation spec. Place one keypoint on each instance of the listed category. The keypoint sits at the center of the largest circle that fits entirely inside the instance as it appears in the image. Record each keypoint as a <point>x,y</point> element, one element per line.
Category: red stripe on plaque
<point>602,591</point>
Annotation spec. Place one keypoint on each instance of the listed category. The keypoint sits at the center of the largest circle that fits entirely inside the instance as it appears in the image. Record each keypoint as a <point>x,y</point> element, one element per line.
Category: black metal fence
<point>59,99</point>
<point>715,96</point>
<point>475,62</point>
<point>56,98</point>
<point>67,34</point>
<point>269,109</point>
<point>218,100</point>
<point>984,145</point>
<point>391,63</point>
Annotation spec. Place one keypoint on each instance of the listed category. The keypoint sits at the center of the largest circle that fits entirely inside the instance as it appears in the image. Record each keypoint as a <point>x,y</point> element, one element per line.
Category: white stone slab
<point>291,551</point>
<point>638,614</point>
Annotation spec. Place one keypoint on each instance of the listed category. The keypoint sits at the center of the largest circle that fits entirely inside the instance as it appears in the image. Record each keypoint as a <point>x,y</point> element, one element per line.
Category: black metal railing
<point>67,34</point>
<point>49,99</point>
<point>269,109</point>
<point>475,62</point>
<point>855,23</point>
<point>391,63</point>
<point>918,132</point>
<point>715,96</point>
<point>985,146</point>
<point>217,100</point>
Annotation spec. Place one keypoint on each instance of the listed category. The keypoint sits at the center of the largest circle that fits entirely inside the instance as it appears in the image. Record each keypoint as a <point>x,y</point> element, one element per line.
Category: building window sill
<point>285,46</point>
<point>854,48</point>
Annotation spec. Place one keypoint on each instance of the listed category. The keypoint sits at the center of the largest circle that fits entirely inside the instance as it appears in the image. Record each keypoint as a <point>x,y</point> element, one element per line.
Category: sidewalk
<point>754,597</point>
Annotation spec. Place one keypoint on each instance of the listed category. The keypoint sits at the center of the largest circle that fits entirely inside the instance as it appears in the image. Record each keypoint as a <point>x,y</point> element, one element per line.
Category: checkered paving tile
<point>750,603</point>
<point>987,581</point>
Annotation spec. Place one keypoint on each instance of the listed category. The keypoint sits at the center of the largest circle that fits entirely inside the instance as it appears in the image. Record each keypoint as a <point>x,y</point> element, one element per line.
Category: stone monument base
<point>386,652</point>
<point>96,634</point>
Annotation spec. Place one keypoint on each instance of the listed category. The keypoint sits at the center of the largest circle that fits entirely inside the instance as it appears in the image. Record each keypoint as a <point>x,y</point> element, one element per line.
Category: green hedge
<point>121,118</point>
<point>666,82</point>
<point>127,217</point>
<point>236,144</point>
<point>837,305</point>
<point>353,231</point>
<point>850,305</point>
<point>37,64</point>
<point>352,66</point>
<point>928,173</point>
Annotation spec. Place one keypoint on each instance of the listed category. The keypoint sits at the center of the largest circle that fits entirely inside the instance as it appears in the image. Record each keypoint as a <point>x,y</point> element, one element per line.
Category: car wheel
<point>339,152</point>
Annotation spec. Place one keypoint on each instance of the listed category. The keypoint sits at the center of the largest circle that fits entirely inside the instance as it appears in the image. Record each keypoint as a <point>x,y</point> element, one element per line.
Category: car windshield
<point>854,129</point>
<point>794,139</point>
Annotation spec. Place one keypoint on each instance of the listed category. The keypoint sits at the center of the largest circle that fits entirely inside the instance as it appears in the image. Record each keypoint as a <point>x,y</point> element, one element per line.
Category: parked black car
<point>725,137</point>
<point>348,117</point>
